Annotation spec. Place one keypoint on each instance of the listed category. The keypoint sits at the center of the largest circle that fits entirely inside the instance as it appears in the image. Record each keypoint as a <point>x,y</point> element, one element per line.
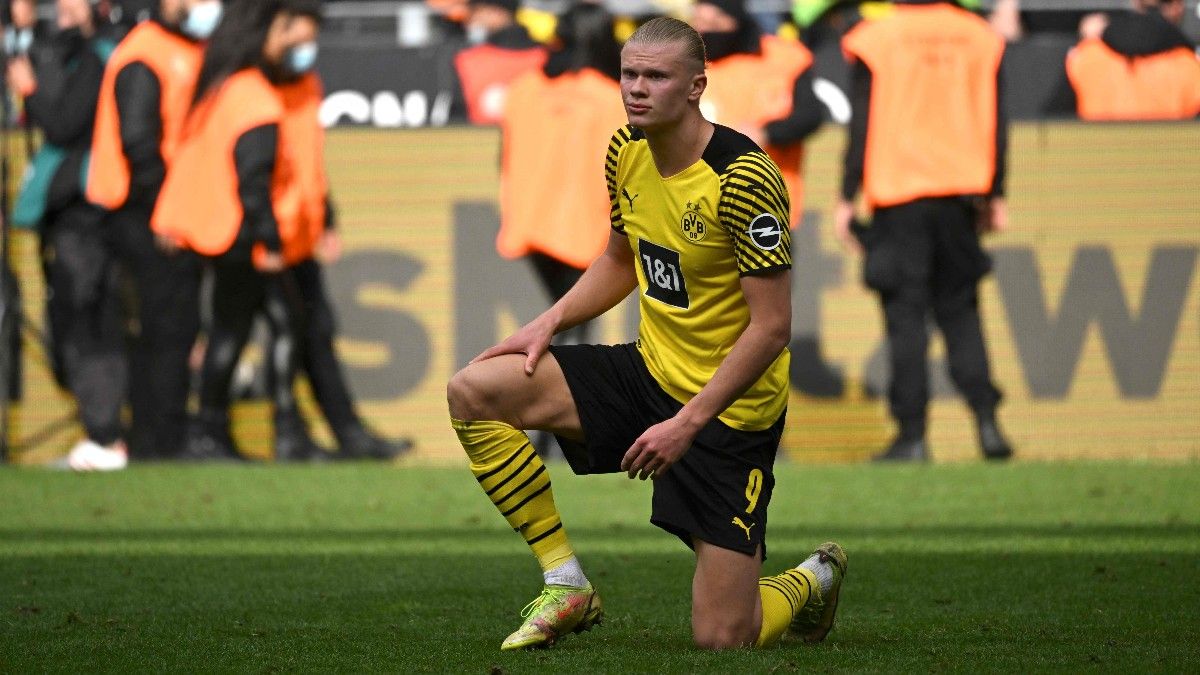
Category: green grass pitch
<point>353,568</point>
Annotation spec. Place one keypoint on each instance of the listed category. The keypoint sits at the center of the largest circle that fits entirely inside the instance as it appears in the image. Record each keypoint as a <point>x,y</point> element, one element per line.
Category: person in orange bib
<point>927,146</point>
<point>1141,67</point>
<point>761,85</point>
<point>556,127</point>
<point>501,51</point>
<point>237,195</point>
<point>302,93</point>
<point>144,98</point>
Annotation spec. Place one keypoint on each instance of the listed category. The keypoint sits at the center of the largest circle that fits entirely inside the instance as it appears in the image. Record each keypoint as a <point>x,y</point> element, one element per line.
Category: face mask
<point>476,34</point>
<point>300,58</point>
<point>17,41</point>
<point>202,20</point>
<point>720,44</point>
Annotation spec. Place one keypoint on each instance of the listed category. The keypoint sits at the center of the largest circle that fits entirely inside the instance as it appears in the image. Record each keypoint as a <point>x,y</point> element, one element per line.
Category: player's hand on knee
<point>532,340</point>
<point>657,449</point>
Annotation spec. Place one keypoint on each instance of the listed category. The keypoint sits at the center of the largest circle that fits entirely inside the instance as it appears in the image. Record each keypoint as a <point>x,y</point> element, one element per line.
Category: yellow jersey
<point>693,236</point>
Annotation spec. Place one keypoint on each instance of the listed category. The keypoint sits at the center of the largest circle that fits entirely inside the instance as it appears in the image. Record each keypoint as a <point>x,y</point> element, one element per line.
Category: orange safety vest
<point>755,89</point>
<point>553,194</point>
<point>199,205</point>
<point>932,125</point>
<point>486,71</point>
<point>1111,86</point>
<point>300,208</point>
<point>175,61</point>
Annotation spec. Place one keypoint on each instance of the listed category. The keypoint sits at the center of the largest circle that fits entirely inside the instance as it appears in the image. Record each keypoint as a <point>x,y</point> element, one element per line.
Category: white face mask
<point>17,41</point>
<point>476,34</point>
<point>203,19</point>
<point>301,58</point>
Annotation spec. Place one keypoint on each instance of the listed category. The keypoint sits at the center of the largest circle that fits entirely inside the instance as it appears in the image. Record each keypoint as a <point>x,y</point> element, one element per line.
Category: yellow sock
<point>516,480</point>
<point>782,597</point>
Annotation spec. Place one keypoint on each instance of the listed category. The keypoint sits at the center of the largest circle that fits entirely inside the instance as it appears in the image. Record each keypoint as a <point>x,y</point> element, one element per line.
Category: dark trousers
<point>557,278</point>
<point>239,293</point>
<point>83,314</point>
<point>925,257</point>
<point>167,296</point>
<point>317,355</point>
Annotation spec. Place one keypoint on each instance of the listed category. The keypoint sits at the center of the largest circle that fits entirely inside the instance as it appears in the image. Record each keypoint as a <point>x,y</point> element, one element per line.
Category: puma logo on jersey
<point>625,193</point>
<point>740,523</point>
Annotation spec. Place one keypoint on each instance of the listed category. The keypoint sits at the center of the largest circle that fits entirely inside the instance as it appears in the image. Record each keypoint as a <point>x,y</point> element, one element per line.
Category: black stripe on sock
<point>797,576</point>
<point>541,470</point>
<point>793,593</point>
<point>769,584</point>
<point>793,596</point>
<point>526,500</point>
<point>514,474</point>
<point>547,533</point>
<point>503,464</point>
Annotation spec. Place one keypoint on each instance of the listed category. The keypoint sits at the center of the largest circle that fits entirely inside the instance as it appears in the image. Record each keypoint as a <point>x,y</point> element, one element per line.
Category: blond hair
<point>663,30</point>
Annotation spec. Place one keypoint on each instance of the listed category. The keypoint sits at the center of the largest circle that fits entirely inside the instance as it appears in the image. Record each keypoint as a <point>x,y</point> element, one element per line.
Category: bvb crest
<point>692,224</point>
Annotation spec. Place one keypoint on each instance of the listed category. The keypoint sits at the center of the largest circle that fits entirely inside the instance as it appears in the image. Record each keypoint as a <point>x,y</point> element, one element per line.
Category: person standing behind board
<point>236,195</point>
<point>927,146</point>
<point>83,312</point>
<point>147,89</point>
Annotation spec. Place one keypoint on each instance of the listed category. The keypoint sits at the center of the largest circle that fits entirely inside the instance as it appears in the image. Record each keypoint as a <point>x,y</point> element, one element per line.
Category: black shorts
<point>717,492</point>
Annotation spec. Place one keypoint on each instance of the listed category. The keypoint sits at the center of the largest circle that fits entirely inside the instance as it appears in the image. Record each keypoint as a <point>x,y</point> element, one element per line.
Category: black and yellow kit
<point>693,236</point>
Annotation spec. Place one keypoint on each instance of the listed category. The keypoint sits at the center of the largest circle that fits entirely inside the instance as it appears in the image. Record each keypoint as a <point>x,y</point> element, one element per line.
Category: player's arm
<point>764,339</point>
<point>606,282</point>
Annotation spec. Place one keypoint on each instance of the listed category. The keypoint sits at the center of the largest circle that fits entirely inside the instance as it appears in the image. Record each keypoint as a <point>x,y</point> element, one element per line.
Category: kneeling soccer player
<point>699,219</point>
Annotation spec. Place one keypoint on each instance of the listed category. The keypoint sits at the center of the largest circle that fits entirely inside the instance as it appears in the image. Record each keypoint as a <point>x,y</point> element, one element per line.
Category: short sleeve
<point>619,140</point>
<point>754,209</point>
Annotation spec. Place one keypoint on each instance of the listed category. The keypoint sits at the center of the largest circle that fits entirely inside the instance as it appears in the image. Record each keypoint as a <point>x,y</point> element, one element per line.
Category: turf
<point>1028,567</point>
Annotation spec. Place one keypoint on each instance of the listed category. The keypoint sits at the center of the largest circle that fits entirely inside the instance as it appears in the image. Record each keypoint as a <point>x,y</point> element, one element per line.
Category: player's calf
<point>724,597</point>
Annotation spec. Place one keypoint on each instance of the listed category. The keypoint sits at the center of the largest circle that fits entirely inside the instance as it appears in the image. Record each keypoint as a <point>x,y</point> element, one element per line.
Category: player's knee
<point>467,396</point>
<point>723,635</point>
<point>718,640</point>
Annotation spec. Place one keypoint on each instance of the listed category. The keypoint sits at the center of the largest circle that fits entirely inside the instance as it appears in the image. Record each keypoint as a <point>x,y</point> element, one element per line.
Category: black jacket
<point>139,109</point>
<point>1143,34</point>
<point>64,108</point>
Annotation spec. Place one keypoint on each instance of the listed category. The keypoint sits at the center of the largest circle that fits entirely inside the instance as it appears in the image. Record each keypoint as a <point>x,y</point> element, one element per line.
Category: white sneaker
<point>87,455</point>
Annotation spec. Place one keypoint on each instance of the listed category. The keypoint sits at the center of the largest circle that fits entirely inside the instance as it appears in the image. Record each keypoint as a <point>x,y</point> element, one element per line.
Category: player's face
<point>659,84</point>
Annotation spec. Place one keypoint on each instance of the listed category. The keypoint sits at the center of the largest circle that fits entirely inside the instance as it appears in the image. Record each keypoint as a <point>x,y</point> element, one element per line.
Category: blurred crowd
<point>180,176</point>
<point>1131,64</point>
<point>177,184</point>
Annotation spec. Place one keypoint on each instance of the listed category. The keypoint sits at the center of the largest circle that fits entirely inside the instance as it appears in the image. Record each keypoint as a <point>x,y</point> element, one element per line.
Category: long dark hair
<point>237,43</point>
<point>585,35</point>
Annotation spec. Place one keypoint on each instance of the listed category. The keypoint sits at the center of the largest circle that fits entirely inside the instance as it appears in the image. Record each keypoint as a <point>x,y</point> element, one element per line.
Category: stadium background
<point>1093,314</point>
